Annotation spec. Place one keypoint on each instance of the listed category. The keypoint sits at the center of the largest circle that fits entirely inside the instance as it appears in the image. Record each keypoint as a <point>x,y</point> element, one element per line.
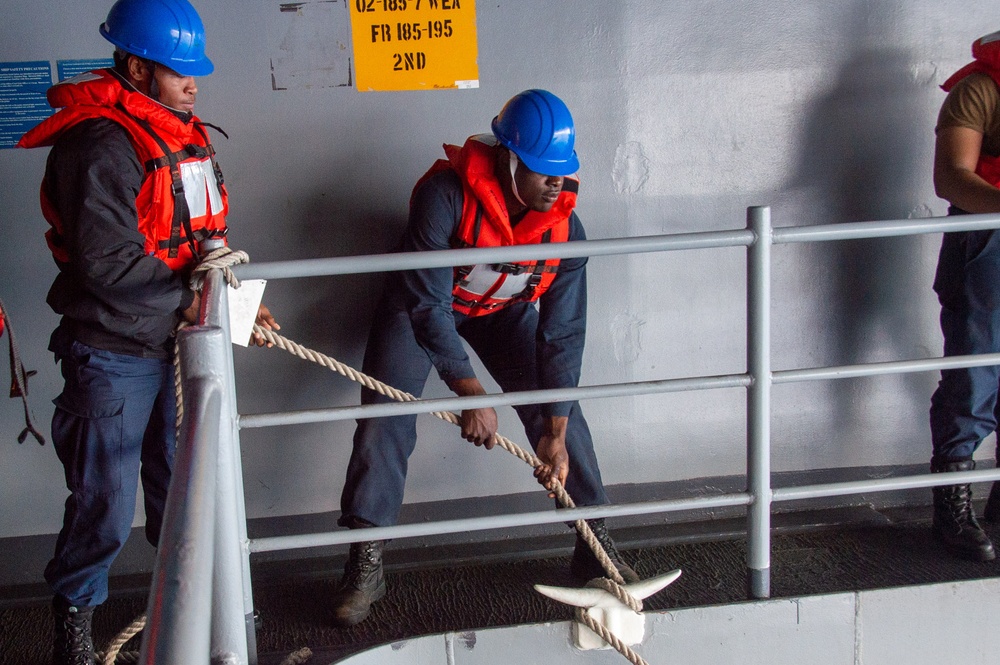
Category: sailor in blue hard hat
<point>132,190</point>
<point>525,320</point>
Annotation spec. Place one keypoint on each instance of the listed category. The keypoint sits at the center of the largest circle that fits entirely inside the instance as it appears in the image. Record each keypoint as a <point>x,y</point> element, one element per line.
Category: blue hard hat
<point>537,126</point>
<point>169,32</point>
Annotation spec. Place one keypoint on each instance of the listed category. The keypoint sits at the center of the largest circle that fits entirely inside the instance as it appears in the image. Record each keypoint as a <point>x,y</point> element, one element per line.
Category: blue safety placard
<point>22,98</point>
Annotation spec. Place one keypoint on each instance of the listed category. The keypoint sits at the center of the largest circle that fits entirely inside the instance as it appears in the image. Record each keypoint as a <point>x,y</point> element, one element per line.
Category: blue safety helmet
<point>169,32</point>
<point>538,128</point>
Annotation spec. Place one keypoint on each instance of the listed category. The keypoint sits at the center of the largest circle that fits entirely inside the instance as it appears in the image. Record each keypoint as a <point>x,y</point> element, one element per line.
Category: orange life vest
<point>486,288</point>
<point>182,199</point>
<point>986,51</point>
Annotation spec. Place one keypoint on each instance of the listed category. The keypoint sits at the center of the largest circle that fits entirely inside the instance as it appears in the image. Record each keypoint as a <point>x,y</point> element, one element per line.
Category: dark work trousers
<point>505,343</point>
<point>113,423</point>
<point>964,406</point>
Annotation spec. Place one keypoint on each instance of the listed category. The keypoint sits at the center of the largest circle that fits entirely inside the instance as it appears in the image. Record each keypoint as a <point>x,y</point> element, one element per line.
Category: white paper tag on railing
<point>243,305</point>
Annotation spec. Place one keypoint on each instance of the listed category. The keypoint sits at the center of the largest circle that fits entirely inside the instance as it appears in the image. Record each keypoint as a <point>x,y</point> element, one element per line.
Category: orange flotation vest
<point>986,51</point>
<point>182,199</point>
<point>486,288</point>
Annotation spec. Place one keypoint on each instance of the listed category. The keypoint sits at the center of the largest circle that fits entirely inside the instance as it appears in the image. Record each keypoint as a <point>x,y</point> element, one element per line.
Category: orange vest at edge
<point>986,51</point>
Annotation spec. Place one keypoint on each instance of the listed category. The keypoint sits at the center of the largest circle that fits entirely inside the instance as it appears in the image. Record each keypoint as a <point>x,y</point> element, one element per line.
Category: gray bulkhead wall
<point>687,112</point>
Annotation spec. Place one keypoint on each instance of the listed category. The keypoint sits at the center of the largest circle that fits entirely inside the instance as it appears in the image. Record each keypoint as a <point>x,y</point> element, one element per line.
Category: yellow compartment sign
<point>414,44</point>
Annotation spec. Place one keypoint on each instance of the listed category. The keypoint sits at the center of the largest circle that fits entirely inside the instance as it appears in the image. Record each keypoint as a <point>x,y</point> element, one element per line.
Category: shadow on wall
<point>864,156</point>
<point>331,217</point>
<point>331,315</point>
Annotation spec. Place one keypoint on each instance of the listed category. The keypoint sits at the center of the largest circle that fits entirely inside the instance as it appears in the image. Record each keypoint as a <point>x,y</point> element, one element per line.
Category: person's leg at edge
<point>962,407</point>
<point>376,473</point>
<point>991,513</point>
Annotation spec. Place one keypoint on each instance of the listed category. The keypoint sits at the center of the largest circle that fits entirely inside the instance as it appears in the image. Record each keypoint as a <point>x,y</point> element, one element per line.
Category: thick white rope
<point>130,631</point>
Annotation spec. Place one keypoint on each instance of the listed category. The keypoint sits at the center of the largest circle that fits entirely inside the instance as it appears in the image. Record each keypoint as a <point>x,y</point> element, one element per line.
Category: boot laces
<point>959,502</point>
<point>364,560</point>
<point>604,538</point>
<point>74,640</point>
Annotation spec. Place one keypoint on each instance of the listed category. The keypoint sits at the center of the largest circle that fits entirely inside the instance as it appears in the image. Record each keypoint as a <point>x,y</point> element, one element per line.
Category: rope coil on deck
<point>303,655</point>
<point>112,653</point>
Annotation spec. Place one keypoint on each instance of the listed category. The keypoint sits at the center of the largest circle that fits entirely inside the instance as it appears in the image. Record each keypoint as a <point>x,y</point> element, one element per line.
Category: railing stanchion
<point>233,635</point>
<point>759,403</point>
<point>180,596</point>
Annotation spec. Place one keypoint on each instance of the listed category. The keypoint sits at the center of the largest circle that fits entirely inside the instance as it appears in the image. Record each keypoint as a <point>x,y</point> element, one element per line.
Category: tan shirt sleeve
<point>974,103</point>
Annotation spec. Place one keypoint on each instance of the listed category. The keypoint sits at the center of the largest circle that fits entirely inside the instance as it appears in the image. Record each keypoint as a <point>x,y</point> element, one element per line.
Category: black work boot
<point>361,585</point>
<point>585,565</point>
<point>955,522</point>
<point>72,643</point>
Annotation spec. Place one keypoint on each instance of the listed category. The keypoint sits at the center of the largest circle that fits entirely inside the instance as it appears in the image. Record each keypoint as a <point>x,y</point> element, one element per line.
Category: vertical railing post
<point>181,592</point>
<point>233,632</point>
<point>759,403</point>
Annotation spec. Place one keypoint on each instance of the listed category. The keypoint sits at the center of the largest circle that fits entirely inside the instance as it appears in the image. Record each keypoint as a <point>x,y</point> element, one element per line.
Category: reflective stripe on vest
<point>484,288</point>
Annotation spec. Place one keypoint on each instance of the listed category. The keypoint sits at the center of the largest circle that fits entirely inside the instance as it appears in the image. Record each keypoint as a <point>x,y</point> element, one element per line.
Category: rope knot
<point>223,258</point>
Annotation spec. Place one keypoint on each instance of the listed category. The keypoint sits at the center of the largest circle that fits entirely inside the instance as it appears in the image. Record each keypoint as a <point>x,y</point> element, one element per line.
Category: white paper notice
<point>243,305</point>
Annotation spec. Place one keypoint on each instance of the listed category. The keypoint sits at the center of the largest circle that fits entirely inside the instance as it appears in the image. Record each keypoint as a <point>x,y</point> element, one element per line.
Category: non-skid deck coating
<point>813,553</point>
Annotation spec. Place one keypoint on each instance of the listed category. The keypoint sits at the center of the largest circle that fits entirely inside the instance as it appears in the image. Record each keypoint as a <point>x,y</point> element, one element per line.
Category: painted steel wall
<point>687,112</point>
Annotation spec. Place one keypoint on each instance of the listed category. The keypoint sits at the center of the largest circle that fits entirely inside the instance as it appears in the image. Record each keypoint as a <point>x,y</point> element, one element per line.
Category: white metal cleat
<point>627,625</point>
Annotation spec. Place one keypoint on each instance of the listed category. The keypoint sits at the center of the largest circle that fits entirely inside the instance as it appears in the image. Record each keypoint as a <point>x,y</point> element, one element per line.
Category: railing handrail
<point>667,242</point>
<point>629,388</point>
<point>389,262</point>
<point>631,509</point>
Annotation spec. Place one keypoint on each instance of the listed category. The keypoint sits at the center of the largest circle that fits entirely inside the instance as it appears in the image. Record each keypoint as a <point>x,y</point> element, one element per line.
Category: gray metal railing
<point>759,238</point>
<point>181,591</point>
<point>202,567</point>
